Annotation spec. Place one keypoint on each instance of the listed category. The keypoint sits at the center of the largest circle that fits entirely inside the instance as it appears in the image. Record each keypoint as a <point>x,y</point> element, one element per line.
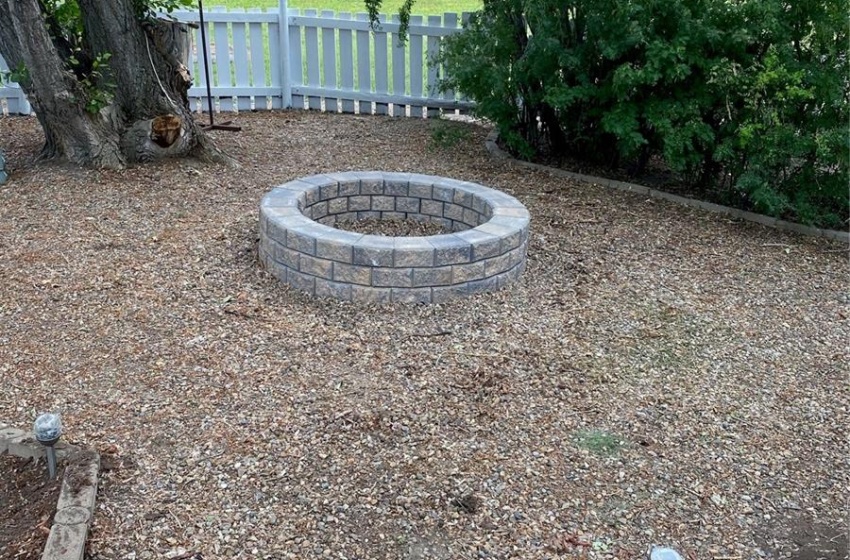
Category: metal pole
<point>206,59</point>
<point>51,461</point>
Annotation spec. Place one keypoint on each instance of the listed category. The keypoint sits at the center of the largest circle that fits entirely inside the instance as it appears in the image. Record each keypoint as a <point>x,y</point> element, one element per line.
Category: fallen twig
<point>427,335</point>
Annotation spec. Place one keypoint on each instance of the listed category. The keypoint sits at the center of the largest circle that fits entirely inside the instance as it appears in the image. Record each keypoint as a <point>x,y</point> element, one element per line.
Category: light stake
<point>48,430</point>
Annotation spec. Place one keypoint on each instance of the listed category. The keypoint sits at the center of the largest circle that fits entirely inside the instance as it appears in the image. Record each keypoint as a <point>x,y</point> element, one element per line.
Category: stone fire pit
<point>485,250</point>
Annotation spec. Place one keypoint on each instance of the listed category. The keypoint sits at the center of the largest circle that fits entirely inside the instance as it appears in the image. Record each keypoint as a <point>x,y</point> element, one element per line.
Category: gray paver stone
<point>411,295</point>
<point>392,277</point>
<point>431,207</point>
<point>369,215</point>
<point>326,288</point>
<point>353,274</point>
<point>374,250</point>
<point>440,276</point>
<point>372,183</point>
<point>396,184</point>
<point>303,282</point>
<point>497,265</point>
<point>314,266</point>
<point>466,272</point>
<point>349,188</point>
<point>383,203</point>
<point>338,205</point>
<point>413,252</point>
<point>420,190</point>
<point>450,249</point>
<point>327,192</point>
<point>485,285</point>
<point>360,202</point>
<point>289,258</point>
<point>444,191</point>
<point>453,211</point>
<point>366,294</point>
<point>407,204</point>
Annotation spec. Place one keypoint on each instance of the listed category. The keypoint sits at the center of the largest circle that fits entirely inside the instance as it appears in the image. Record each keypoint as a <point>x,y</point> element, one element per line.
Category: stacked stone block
<point>485,250</point>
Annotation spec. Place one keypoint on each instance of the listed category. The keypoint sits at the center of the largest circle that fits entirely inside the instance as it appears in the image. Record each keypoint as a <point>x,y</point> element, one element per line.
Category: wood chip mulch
<point>658,376</point>
<point>391,228</point>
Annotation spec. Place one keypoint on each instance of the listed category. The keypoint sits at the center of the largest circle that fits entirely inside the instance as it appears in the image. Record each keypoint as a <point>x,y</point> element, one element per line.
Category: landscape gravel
<point>658,375</point>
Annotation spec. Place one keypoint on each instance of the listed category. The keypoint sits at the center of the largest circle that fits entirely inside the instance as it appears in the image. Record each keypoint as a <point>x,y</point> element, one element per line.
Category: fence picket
<point>329,61</point>
<point>364,67</point>
<point>223,68</point>
<point>296,65</point>
<point>346,65</point>
<point>16,100</point>
<point>197,69</point>
<point>240,63</point>
<point>274,55</point>
<point>258,61</point>
<point>449,21</point>
<point>399,72</point>
<point>311,34</point>
<point>433,49</point>
<point>416,69</point>
<point>379,39</point>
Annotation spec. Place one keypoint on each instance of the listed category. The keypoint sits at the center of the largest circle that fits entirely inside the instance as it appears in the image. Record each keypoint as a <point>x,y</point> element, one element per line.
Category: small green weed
<point>599,442</point>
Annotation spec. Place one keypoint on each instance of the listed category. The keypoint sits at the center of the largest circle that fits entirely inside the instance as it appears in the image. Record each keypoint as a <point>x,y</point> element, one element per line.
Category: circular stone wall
<point>300,246</point>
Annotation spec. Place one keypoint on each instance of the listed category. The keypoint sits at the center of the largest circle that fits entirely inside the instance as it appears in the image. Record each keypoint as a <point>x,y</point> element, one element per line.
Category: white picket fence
<point>13,101</point>
<point>318,60</point>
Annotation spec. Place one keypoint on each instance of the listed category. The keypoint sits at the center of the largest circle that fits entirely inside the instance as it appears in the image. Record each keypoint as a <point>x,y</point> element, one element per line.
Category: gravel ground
<point>659,375</point>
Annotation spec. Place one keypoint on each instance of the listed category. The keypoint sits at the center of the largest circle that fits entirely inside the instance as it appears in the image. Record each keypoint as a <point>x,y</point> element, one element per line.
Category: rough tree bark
<point>148,117</point>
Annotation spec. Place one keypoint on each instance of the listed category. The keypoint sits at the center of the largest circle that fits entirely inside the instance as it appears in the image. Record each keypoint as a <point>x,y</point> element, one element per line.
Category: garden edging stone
<point>492,146</point>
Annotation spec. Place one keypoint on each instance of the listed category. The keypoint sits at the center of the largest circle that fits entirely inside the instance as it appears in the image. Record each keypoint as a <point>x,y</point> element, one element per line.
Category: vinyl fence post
<point>285,80</point>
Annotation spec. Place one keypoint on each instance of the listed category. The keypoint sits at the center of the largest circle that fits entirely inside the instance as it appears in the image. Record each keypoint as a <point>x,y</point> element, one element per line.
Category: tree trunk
<point>148,115</point>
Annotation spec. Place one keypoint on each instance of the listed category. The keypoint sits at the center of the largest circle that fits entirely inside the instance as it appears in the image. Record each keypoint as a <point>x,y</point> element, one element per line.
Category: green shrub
<point>747,101</point>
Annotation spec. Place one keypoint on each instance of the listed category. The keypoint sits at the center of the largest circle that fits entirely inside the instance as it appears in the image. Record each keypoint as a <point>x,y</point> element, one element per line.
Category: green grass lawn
<point>422,7</point>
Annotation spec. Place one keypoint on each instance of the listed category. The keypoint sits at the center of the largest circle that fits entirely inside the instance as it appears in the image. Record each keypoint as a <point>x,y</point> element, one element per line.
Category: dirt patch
<point>799,537</point>
<point>27,504</point>
<point>391,228</point>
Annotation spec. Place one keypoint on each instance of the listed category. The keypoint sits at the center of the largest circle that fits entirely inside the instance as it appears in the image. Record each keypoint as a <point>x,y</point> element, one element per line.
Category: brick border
<point>75,507</point>
<point>485,251</point>
<point>494,149</point>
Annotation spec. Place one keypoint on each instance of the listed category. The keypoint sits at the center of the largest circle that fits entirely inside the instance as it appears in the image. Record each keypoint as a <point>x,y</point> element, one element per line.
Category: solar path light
<point>48,429</point>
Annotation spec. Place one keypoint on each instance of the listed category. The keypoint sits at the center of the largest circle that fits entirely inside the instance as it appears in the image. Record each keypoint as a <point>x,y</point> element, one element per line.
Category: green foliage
<point>746,101</point>
<point>447,135</point>
<point>98,90</point>
<point>20,74</point>
<point>146,8</point>
<point>373,8</point>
